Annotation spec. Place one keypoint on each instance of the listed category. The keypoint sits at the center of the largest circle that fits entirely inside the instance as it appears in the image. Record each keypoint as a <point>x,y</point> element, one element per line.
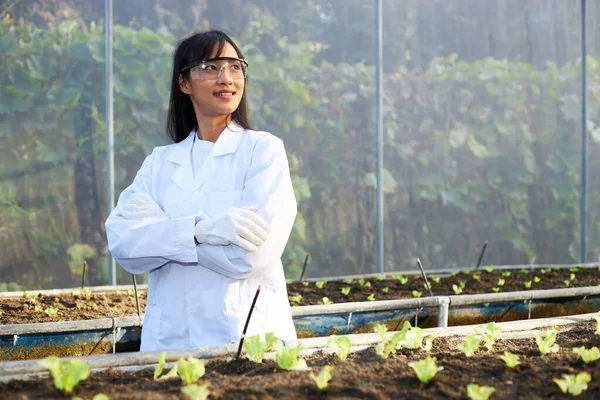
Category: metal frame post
<point>109,118</point>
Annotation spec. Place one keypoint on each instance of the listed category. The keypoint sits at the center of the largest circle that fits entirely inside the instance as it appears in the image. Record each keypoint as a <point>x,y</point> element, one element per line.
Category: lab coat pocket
<point>151,328</point>
<point>220,202</point>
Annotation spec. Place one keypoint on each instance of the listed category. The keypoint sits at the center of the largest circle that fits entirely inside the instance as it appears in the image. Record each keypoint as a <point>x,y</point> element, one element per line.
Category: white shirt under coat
<point>200,295</point>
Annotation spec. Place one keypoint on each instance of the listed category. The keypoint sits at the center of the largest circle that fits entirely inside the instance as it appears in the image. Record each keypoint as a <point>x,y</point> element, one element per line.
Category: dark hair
<point>181,118</point>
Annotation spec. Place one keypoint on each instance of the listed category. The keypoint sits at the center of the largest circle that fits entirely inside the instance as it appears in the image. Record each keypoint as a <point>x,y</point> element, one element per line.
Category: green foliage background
<point>476,150</point>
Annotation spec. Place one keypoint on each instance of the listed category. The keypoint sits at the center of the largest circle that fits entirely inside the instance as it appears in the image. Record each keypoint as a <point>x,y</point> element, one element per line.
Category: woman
<point>208,217</point>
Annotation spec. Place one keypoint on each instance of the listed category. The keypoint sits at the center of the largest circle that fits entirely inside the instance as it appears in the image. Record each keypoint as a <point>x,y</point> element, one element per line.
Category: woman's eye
<point>236,67</point>
<point>209,67</point>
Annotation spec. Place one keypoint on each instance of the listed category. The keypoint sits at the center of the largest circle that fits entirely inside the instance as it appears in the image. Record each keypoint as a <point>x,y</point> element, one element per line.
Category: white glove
<point>141,206</point>
<point>240,226</point>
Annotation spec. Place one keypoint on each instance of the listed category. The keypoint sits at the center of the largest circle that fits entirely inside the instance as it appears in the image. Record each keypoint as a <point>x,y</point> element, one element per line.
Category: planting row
<point>407,364</point>
<point>83,304</point>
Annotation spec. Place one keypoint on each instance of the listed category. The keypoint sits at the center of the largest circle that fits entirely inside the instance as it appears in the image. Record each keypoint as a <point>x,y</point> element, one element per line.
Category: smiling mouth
<point>225,94</point>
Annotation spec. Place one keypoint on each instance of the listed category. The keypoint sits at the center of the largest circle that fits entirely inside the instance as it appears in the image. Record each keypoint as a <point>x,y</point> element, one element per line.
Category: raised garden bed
<point>364,375</point>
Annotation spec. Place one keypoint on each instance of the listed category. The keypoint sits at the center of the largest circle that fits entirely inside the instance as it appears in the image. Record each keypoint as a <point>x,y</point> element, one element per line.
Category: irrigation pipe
<point>510,330</point>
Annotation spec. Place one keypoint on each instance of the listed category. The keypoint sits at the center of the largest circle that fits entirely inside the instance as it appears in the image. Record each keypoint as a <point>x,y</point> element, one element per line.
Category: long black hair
<point>181,118</point>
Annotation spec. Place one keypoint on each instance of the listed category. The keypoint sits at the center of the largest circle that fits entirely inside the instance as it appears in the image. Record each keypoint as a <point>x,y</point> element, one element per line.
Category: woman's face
<point>215,97</point>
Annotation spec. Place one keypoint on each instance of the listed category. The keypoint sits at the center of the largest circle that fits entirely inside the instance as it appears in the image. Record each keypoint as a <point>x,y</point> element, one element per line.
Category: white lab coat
<point>201,295</point>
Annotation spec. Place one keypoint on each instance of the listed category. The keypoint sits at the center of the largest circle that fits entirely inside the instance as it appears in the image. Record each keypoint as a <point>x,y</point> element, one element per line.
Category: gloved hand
<point>240,226</point>
<point>141,206</point>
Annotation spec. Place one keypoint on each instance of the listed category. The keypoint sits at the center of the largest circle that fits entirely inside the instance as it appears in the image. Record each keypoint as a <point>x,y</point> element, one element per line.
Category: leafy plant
<point>458,289</point>
<point>511,360</point>
<point>536,279</point>
<point>416,293</point>
<point>380,277</point>
<point>425,368</point>
<point>455,272</point>
<point>256,348</point>
<point>363,283</point>
<point>476,277</point>
<point>297,298</point>
<point>97,396</point>
<point>190,370</point>
<point>305,283</point>
<point>66,374</point>
<point>322,380</point>
<point>567,282</point>
<point>506,274</point>
<point>490,332</point>
<point>114,309</point>
<point>403,279</point>
<point>469,345</point>
<point>436,279</point>
<point>320,284</point>
<point>572,277</point>
<point>587,355</point>
<point>500,282</point>
<point>547,343</point>
<point>196,392</point>
<point>574,384</point>
<point>412,338</point>
<point>347,281</point>
<point>489,268</point>
<point>289,281</point>
<point>387,347</point>
<point>371,297</point>
<point>340,345</point>
<point>527,284</point>
<point>158,369</point>
<point>51,311</point>
<point>326,300</point>
<point>495,289</point>
<point>287,358</point>
<point>476,392</point>
<point>385,289</point>
<point>346,290</point>
<point>524,271</point>
<point>467,272</point>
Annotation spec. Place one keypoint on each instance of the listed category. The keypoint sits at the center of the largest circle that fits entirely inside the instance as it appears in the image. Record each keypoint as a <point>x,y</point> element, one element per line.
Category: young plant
<point>436,279</point>
<point>511,360</point>
<point>297,298</point>
<point>574,384</point>
<point>413,338</point>
<point>371,297</point>
<point>51,311</point>
<point>113,309</point>
<point>467,272</point>
<point>524,271</point>
<point>340,345</point>
<point>500,282</point>
<point>380,277</point>
<point>158,370</point>
<point>196,392</point>
<point>347,281</point>
<point>495,289</point>
<point>476,277</point>
<point>572,277</point>
<point>256,349</point>
<point>287,358</point>
<point>536,279</point>
<point>547,343</point>
<point>469,345</point>
<point>489,268</point>
<point>66,374</point>
<point>97,396</point>
<point>458,289</point>
<point>586,355</point>
<point>364,283</point>
<point>387,347</point>
<point>322,380</point>
<point>490,332</point>
<point>320,284</point>
<point>326,300</point>
<point>346,290</point>
<point>305,283</point>
<point>190,370</point>
<point>416,293</point>
<point>567,282</point>
<point>385,289</point>
<point>527,284</point>
<point>455,272</point>
<point>476,392</point>
<point>506,274</point>
<point>403,279</point>
<point>425,368</point>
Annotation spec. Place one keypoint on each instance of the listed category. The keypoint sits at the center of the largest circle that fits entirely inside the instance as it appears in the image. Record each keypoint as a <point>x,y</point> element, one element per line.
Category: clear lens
<point>212,70</point>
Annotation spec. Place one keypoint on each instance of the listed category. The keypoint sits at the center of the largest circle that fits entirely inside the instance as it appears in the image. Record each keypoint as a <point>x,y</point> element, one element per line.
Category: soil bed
<point>22,310</point>
<point>363,376</point>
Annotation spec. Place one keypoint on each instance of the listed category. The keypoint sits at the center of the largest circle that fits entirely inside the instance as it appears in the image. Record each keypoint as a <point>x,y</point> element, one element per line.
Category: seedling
<point>380,277</point>
<point>297,298</point>
<point>469,345</point>
<point>547,343</point>
<point>385,289</point>
<point>114,309</point>
<point>190,370</point>
<point>66,374</point>
<point>458,289</point>
<point>572,277</point>
<point>467,272</point>
<point>567,282</point>
<point>455,272</point>
<point>256,349</point>
<point>322,380</point>
<point>158,370</point>
<point>476,277</point>
<point>436,279</point>
<point>346,290</point>
<point>326,300</point>
<point>320,284</point>
<point>586,355</point>
<point>403,280</point>
<point>305,283</point>
<point>97,396</point>
<point>511,360</point>
<point>495,289</point>
<point>340,345</point>
<point>527,284</point>
<point>574,384</point>
<point>287,358</point>
<point>51,311</point>
<point>196,392</point>
<point>347,281</point>
<point>371,297</point>
<point>387,347</point>
<point>416,293</point>
<point>476,392</point>
<point>490,332</point>
<point>489,268</point>
<point>524,271</point>
<point>545,270</point>
<point>425,368</point>
<point>506,274</point>
<point>130,293</point>
<point>500,282</point>
<point>364,283</point>
<point>574,269</point>
<point>536,279</point>
<point>413,338</point>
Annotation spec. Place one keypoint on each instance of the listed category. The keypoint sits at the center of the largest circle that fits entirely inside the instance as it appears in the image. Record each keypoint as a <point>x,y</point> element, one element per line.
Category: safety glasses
<point>213,68</point>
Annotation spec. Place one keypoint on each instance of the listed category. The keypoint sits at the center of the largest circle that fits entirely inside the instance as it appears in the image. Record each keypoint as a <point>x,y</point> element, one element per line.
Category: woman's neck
<point>210,129</point>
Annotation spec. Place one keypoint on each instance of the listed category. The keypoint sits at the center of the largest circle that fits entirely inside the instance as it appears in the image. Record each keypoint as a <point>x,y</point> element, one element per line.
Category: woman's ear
<point>184,85</point>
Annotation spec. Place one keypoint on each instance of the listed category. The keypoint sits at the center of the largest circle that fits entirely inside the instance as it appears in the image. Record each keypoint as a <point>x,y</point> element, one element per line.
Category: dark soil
<point>363,376</point>
<point>71,307</point>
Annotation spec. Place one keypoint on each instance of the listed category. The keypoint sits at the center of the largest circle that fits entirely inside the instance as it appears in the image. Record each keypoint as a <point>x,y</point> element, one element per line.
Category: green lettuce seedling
<point>320,284</point>
<point>287,358</point>
<point>371,297</point>
<point>573,384</point>
<point>476,277</point>
<point>489,268</point>
<point>297,298</point>
<point>527,284</point>
<point>476,392</point>
<point>326,300</point>
<point>436,279</point>
<point>536,279</point>
<point>458,289</point>
<point>380,277</point>
<point>158,369</point>
<point>385,289</point>
<point>51,311</point>
<point>495,289</point>
<point>66,374</point>
<point>347,281</point>
<point>490,332</point>
<point>572,277</point>
<point>547,343</point>
<point>346,290</point>
<point>416,293</point>
<point>469,345</point>
<point>524,271</point>
<point>97,396</point>
<point>190,370</point>
<point>567,282</point>
<point>455,272</point>
<point>467,272</point>
<point>506,274</point>
<point>403,279</point>
<point>413,338</point>
<point>425,368</point>
<point>387,347</point>
<point>256,349</point>
<point>511,360</point>
<point>196,392</point>
<point>586,355</point>
<point>322,380</point>
<point>501,282</point>
<point>340,345</point>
